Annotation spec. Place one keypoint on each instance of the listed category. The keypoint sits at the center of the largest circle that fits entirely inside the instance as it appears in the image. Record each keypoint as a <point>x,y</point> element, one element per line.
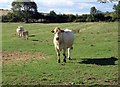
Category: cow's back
<point>68,38</point>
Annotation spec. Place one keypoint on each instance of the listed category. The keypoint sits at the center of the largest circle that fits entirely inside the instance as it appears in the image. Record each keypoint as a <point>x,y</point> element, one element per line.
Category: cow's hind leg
<point>64,54</point>
<point>69,53</point>
<point>58,58</point>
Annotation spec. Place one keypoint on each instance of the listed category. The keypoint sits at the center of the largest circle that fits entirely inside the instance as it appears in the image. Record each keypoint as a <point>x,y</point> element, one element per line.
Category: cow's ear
<point>52,31</point>
<point>62,30</point>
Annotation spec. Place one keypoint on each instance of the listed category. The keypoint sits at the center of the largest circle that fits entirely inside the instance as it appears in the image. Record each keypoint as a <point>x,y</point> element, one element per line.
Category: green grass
<point>98,40</point>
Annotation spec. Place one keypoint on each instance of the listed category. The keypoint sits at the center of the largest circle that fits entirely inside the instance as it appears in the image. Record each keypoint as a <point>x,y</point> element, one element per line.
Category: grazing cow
<point>19,31</point>
<point>63,40</point>
<point>25,34</point>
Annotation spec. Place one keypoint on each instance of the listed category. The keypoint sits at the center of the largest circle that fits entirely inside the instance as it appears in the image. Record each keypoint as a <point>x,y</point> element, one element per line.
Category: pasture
<point>34,61</point>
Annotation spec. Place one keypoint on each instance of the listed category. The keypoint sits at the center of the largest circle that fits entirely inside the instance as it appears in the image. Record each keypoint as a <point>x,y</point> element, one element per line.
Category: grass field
<point>34,61</point>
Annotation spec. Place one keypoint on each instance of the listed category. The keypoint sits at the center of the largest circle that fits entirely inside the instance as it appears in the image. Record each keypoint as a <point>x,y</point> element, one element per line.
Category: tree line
<point>27,12</point>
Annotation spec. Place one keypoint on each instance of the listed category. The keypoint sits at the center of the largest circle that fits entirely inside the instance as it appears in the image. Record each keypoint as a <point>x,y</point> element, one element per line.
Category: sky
<point>65,6</point>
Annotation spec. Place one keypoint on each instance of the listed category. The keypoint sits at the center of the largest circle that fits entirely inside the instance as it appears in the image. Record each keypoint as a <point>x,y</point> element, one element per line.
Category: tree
<point>93,10</point>
<point>24,8</point>
<point>52,13</point>
<point>99,17</point>
<point>95,15</point>
<point>116,14</point>
<point>89,18</point>
<point>52,16</point>
<point>71,17</point>
<point>117,10</point>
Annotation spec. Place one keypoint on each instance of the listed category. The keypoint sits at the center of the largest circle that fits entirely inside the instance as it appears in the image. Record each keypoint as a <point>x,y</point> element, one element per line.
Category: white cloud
<point>5,4</point>
<point>6,1</point>
<point>84,0</point>
<point>85,5</point>
<point>55,3</point>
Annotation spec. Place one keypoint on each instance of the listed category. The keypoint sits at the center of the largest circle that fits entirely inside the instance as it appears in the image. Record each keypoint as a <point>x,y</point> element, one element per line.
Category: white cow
<point>19,31</point>
<point>63,39</point>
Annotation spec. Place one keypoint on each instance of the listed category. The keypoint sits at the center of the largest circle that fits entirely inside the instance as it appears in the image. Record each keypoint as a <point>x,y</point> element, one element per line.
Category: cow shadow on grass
<point>32,35</point>
<point>99,61</point>
<point>35,40</point>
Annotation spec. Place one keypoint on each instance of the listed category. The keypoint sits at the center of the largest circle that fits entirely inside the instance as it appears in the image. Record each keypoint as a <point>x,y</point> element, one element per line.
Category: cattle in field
<point>63,40</point>
<point>19,31</point>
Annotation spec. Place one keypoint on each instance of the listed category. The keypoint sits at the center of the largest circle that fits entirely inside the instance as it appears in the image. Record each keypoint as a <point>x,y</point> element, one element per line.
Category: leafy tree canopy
<point>26,5</point>
<point>24,8</point>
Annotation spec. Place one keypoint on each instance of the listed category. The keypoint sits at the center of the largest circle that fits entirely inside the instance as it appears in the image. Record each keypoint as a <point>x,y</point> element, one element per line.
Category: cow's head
<point>21,28</point>
<point>57,33</point>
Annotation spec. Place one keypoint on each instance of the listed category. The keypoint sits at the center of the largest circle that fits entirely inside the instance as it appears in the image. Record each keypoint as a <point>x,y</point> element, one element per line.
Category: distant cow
<point>25,34</point>
<point>76,31</point>
<point>63,39</point>
<point>19,31</point>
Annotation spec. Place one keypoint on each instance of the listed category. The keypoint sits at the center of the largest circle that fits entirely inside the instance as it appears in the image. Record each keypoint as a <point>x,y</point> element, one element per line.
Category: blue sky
<point>65,6</point>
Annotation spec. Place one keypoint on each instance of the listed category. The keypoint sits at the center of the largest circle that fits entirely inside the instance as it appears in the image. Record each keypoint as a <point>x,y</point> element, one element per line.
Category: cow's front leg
<point>19,34</point>
<point>58,55</point>
<point>64,54</point>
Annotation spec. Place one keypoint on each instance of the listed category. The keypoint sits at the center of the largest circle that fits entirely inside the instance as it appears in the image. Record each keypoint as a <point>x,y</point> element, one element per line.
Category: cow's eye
<point>57,38</point>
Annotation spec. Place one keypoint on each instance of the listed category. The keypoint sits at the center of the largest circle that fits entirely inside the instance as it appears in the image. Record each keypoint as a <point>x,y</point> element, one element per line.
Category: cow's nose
<point>57,38</point>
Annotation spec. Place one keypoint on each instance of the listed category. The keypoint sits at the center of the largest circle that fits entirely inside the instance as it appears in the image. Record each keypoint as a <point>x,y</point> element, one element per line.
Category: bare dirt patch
<point>14,56</point>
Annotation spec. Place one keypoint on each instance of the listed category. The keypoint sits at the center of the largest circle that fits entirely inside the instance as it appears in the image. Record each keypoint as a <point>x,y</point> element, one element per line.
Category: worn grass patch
<point>16,56</point>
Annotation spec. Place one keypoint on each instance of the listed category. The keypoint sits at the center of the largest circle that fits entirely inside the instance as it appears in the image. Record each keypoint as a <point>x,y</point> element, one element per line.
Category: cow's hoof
<point>58,60</point>
<point>69,58</point>
<point>64,60</point>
